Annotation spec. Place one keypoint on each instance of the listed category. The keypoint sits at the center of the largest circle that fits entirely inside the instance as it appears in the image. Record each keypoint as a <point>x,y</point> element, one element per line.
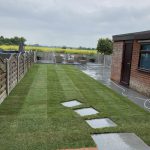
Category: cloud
<point>72,22</point>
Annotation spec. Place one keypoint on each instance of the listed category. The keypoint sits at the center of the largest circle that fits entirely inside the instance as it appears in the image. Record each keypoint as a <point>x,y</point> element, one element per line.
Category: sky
<point>72,22</point>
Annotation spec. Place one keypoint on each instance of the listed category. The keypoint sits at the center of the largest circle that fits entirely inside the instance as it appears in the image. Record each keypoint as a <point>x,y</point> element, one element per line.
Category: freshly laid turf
<point>32,117</point>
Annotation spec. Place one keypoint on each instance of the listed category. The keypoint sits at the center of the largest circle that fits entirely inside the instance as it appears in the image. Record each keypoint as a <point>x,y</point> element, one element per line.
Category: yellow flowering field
<point>47,49</point>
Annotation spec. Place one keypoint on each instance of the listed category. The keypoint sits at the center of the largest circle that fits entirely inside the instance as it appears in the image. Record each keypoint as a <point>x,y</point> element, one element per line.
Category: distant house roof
<point>5,55</point>
<point>8,51</point>
<point>145,35</point>
<point>1,50</point>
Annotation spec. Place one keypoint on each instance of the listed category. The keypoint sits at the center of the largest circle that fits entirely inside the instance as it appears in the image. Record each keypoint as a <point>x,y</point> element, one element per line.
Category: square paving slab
<point>71,103</point>
<point>119,141</point>
<point>101,123</point>
<point>86,111</point>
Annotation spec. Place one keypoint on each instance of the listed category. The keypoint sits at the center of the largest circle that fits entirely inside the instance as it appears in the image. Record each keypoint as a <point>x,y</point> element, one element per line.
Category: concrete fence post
<point>28,60</point>
<point>31,58</point>
<point>7,76</point>
<point>24,63</point>
<point>35,56</point>
<point>104,60</point>
<point>98,58</point>
<point>18,65</point>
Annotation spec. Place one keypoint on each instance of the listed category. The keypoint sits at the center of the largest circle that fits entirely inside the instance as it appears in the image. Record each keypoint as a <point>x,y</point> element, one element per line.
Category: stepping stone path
<point>101,123</point>
<point>119,141</point>
<point>86,111</point>
<point>71,103</point>
<point>112,141</point>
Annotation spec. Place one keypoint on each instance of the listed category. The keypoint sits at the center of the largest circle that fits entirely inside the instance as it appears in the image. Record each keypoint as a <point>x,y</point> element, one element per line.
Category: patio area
<point>35,116</point>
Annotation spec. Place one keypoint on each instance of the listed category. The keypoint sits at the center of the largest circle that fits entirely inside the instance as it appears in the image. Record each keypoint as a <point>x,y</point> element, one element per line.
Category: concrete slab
<point>71,103</point>
<point>119,141</point>
<point>86,111</point>
<point>101,123</point>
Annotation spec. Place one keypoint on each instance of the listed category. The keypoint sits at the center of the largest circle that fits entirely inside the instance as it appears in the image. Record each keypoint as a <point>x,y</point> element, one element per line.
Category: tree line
<point>80,48</point>
<point>104,45</point>
<point>12,41</point>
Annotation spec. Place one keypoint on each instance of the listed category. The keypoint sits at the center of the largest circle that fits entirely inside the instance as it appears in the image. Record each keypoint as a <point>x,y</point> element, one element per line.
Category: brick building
<point>131,61</point>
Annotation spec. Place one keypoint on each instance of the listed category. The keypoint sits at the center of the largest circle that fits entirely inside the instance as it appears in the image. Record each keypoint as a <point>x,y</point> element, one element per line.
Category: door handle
<point>128,63</point>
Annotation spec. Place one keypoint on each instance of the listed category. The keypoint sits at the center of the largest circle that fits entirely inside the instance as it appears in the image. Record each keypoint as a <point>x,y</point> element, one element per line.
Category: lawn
<point>32,118</point>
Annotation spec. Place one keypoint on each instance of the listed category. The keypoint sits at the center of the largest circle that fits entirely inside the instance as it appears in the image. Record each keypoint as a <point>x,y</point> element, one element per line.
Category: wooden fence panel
<point>25,62</point>
<point>13,72</point>
<point>20,66</point>
<point>3,93</point>
<point>28,60</point>
<point>32,57</point>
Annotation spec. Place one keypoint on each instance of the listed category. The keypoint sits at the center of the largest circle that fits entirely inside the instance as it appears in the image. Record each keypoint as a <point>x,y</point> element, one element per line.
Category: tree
<point>23,40</point>
<point>1,40</point>
<point>64,47</point>
<point>105,46</point>
<point>12,41</point>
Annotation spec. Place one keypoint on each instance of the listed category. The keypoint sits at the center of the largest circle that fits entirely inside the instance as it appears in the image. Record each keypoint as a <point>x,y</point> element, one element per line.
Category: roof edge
<point>144,35</point>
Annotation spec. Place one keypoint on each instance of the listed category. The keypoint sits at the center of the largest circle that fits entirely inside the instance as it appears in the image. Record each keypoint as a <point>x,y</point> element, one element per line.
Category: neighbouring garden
<point>33,118</point>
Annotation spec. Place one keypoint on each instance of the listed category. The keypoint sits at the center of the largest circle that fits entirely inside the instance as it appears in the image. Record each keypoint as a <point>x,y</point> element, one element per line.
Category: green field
<point>47,49</point>
<point>32,117</point>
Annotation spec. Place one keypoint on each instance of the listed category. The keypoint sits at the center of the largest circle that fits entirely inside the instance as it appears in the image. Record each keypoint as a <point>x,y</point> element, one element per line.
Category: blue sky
<point>72,22</point>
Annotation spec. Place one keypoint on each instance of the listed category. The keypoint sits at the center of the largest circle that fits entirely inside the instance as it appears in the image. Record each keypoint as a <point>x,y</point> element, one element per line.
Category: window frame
<point>143,52</point>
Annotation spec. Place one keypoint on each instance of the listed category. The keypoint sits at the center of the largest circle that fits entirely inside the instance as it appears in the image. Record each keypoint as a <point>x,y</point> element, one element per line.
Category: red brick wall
<point>116,61</point>
<point>139,81</point>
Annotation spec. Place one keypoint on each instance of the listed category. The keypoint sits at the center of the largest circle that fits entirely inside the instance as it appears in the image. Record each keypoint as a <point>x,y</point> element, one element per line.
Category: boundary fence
<point>13,67</point>
<point>62,58</point>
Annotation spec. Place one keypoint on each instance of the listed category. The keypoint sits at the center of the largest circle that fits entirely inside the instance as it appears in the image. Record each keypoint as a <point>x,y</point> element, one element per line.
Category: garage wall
<point>139,80</point>
<point>116,61</point>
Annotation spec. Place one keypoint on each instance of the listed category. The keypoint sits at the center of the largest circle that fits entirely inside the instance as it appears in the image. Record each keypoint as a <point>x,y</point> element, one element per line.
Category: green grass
<point>32,118</point>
